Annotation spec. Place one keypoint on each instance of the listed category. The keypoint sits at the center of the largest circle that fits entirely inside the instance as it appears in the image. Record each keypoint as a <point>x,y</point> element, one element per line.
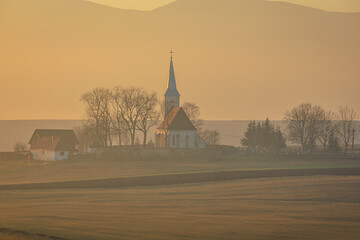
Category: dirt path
<point>185,178</point>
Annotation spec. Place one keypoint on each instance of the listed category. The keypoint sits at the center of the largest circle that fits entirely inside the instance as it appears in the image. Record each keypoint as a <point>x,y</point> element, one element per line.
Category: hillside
<point>328,5</point>
<point>237,59</point>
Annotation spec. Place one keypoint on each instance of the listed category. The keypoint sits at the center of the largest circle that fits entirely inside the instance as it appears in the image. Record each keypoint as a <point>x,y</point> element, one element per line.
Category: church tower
<point>172,96</point>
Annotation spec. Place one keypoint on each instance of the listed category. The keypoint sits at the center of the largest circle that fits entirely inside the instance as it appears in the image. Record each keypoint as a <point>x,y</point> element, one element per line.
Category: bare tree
<point>164,131</point>
<point>19,146</point>
<point>131,102</point>
<point>85,135</point>
<point>211,137</point>
<point>149,115</point>
<point>118,122</point>
<point>347,124</point>
<point>192,110</point>
<point>125,138</point>
<point>303,125</point>
<point>328,126</point>
<point>162,109</point>
<point>97,113</point>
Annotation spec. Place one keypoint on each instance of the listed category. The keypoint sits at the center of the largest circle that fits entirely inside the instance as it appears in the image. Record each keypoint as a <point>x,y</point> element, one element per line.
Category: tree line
<point>310,125</point>
<point>119,113</point>
<point>263,137</point>
<point>307,125</point>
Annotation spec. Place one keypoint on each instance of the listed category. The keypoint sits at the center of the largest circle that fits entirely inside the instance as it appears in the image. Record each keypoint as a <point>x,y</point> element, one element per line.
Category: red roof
<point>53,139</point>
<point>52,143</point>
<point>69,135</point>
<point>177,120</point>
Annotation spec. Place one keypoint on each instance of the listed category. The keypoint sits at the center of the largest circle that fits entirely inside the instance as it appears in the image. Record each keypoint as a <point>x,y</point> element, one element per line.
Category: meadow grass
<point>319,207</point>
<point>14,172</point>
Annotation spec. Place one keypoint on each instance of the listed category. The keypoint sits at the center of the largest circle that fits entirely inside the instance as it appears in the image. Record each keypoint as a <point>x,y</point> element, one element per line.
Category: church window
<point>187,141</point>
<point>178,140</point>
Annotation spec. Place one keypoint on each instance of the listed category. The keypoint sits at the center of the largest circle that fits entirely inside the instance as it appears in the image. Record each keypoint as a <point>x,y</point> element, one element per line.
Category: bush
<point>20,146</point>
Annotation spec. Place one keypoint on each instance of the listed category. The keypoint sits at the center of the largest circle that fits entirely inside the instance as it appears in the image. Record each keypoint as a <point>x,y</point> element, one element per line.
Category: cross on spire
<point>171,53</point>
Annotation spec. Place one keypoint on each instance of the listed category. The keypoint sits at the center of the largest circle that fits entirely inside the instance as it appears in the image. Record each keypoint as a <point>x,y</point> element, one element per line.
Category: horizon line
<point>62,119</point>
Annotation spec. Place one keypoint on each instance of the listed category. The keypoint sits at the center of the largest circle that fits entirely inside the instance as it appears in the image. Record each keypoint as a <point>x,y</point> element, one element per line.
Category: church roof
<point>171,86</point>
<point>177,119</point>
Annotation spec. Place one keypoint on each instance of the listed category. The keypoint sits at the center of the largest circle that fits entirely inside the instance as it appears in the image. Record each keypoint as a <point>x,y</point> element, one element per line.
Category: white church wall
<point>181,139</point>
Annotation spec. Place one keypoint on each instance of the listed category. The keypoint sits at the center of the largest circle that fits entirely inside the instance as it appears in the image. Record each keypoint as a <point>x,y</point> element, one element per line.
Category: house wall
<point>49,155</point>
<point>43,154</point>
<point>62,155</point>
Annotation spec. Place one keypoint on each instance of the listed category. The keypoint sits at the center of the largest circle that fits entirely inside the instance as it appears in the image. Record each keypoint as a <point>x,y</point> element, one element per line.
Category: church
<point>176,130</point>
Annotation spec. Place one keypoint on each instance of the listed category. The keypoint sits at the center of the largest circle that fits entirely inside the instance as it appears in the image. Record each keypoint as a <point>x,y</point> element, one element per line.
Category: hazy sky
<point>237,59</point>
<point>328,5</point>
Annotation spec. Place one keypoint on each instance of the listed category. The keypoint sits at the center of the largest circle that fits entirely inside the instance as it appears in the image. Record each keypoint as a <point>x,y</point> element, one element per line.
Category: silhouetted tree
<point>347,123</point>
<point>328,125</point>
<point>192,110</point>
<point>86,136</point>
<point>334,145</point>
<point>149,115</point>
<point>263,137</point>
<point>98,113</point>
<point>118,123</point>
<point>304,123</point>
<point>211,137</point>
<point>250,136</point>
<point>132,104</point>
<point>278,141</point>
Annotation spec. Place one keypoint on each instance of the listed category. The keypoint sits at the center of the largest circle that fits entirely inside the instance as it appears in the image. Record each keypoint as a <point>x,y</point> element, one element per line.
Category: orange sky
<point>234,63</point>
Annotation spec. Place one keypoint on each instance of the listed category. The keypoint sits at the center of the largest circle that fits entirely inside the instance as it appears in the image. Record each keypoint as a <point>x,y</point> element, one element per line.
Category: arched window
<point>178,140</point>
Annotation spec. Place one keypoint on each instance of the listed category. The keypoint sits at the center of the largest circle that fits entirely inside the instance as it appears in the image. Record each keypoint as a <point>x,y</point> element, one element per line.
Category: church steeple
<point>171,85</point>
<point>172,96</point>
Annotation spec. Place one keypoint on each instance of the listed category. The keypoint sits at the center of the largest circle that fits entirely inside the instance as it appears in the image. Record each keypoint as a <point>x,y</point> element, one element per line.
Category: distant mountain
<point>328,5</point>
<point>134,4</point>
<point>238,59</point>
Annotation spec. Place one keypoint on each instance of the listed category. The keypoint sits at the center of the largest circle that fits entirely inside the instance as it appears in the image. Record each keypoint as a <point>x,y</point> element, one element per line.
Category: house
<point>176,130</point>
<point>52,144</point>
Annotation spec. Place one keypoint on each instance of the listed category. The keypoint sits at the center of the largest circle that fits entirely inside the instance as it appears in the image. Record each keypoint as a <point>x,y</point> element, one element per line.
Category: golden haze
<point>235,59</point>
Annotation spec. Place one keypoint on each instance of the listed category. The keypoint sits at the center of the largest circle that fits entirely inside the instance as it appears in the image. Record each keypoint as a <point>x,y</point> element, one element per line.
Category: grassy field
<point>311,207</point>
<point>277,208</point>
<point>12,172</point>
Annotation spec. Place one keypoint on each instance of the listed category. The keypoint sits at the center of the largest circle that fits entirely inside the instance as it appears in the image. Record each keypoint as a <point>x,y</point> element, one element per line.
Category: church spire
<point>172,96</point>
<point>171,85</point>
